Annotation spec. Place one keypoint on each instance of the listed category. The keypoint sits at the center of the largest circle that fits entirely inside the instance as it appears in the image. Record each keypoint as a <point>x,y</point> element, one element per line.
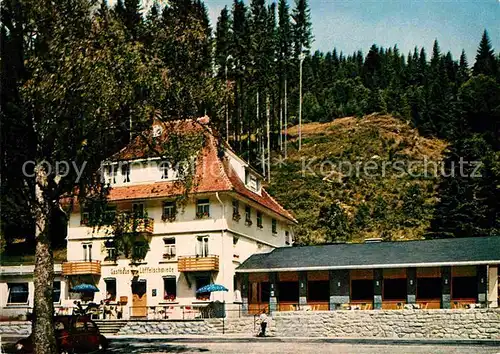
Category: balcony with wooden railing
<point>81,268</point>
<point>139,225</point>
<point>208,263</point>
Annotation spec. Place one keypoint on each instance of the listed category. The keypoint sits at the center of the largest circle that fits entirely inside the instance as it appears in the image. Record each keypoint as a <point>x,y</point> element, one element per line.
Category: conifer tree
<point>486,62</point>
<point>463,73</point>
<point>132,18</point>
<point>302,27</point>
<point>223,42</point>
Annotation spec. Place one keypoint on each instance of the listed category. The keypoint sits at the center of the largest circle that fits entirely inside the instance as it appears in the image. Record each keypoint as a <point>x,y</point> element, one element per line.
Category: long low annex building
<point>429,274</point>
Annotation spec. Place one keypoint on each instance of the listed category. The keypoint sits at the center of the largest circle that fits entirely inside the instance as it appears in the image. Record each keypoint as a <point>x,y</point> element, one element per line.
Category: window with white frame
<point>202,246</point>
<point>169,288</point>
<point>169,248</point>
<point>126,172</point>
<point>85,216</point>
<point>110,251</point>
<point>110,173</point>
<point>201,281</point>
<point>164,167</point>
<point>110,289</point>
<point>87,252</point>
<point>202,208</point>
<point>18,293</point>
<point>253,183</point>
<point>288,239</point>
<point>274,226</point>
<point>169,211</point>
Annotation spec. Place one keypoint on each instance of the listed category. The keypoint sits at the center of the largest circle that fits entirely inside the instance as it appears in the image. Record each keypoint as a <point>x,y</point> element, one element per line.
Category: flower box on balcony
<point>167,218</point>
<point>202,215</point>
<point>142,225</point>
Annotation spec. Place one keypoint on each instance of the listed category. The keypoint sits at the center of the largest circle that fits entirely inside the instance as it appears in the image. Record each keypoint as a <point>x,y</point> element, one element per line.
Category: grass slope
<point>394,205</point>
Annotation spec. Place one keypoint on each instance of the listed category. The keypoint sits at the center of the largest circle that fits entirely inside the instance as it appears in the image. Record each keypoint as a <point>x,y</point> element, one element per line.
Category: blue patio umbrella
<point>210,288</point>
<point>84,288</point>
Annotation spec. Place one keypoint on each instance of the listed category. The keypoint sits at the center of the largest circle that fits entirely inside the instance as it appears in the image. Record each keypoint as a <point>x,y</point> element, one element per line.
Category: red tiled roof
<point>263,198</point>
<point>212,174</point>
<point>144,145</point>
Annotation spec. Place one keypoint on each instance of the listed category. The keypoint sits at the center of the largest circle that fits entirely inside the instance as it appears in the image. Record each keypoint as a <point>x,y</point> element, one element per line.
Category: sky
<point>351,25</point>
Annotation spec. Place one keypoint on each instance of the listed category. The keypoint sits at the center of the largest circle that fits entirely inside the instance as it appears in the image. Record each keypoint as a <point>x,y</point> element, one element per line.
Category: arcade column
<point>273,292</point>
<point>339,288</point>
<point>482,283</point>
<point>302,288</point>
<point>445,287</point>
<point>244,292</point>
<point>378,279</point>
<point>411,285</point>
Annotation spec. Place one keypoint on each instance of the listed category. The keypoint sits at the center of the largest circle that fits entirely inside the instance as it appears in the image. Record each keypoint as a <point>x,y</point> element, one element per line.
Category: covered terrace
<point>429,274</point>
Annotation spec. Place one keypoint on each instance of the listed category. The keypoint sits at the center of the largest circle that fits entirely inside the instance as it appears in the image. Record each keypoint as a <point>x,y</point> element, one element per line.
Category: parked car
<point>74,334</point>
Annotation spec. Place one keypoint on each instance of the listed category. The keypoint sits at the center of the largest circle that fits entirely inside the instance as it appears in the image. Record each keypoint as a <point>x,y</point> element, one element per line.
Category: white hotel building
<point>227,218</point>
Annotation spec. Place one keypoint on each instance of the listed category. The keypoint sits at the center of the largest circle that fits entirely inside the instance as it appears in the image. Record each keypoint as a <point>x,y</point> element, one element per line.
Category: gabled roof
<point>426,253</point>
<point>213,173</point>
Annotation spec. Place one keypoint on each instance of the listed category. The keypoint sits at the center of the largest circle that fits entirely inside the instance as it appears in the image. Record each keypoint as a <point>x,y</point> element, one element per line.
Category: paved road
<point>272,345</point>
<point>269,346</point>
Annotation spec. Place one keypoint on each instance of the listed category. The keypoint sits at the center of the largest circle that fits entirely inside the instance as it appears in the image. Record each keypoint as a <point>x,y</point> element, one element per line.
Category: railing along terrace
<point>81,267</point>
<point>186,312</point>
<point>139,224</point>
<point>198,263</point>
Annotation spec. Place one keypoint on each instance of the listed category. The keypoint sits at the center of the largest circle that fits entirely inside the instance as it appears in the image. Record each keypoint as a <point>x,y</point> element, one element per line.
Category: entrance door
<point>139,299</point>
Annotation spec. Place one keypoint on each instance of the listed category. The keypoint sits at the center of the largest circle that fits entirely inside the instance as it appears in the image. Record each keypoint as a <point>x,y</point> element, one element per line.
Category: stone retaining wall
<point>459,324</point>
<point>209,327</point>
<point>450,324</point>
<point>21,328</point>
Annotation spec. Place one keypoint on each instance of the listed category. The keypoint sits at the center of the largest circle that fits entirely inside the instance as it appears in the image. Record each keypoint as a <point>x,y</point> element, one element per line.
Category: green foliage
<point>334,219</point>
<point>362,218</point>
<point>468,204</point>
<point>374,206</point>
<point>486,63</point>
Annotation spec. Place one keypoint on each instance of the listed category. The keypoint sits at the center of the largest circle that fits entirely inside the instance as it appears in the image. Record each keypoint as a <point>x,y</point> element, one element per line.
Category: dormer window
<point>110,172</point>
<point>252,181</point>
<point>126,173</point>
<point>164,166</point>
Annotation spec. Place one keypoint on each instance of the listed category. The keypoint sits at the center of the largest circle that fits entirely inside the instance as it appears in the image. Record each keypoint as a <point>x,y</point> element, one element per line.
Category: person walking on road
<point>263,323</point>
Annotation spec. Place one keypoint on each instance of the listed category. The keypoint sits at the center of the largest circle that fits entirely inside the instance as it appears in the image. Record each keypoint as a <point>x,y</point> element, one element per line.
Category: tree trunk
<point>268,140</point>
<point>43,322</point>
